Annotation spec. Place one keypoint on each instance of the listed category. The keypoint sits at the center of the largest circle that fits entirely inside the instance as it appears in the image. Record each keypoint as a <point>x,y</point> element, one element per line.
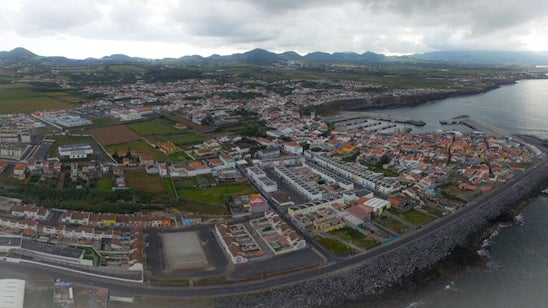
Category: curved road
<point>135,289</point>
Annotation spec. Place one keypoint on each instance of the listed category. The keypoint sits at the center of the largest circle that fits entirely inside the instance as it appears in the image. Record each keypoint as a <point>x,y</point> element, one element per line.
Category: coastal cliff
<point>370,278</point>
<point>391,101</point>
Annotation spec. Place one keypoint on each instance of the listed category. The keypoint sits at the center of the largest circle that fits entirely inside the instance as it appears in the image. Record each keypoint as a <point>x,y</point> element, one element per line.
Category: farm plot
<point>137,146</point>
<point>114,135</point>
<point>185,138</point>
<point>139,180</point>
<point>152,127</point>
<point>20,98</point>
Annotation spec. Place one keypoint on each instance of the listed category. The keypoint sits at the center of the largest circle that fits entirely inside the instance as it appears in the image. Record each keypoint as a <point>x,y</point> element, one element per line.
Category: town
<point>196,182</point>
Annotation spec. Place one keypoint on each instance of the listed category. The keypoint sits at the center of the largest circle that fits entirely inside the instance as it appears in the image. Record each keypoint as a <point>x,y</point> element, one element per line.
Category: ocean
<point>516,274</point>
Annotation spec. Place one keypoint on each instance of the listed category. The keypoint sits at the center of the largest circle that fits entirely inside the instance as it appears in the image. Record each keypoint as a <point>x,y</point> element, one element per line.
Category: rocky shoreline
<point>443,250</point>
<point>359,104</point>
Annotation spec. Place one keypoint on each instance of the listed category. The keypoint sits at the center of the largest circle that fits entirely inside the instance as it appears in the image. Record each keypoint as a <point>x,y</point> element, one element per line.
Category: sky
<point>174,28</point>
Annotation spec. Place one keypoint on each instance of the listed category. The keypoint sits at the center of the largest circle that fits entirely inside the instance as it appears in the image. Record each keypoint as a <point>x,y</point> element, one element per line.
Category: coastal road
<point>135,289</point>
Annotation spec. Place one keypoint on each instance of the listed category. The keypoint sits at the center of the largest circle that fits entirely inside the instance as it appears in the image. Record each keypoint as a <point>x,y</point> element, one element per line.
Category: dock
<point>477,124</point>
<point>359,116</point>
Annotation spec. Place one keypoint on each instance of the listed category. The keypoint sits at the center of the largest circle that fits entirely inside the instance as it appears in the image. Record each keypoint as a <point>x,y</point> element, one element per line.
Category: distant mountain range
<point>265,57</point>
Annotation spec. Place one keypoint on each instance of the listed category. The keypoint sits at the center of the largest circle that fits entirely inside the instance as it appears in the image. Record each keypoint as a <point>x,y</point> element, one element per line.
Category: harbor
<point>372,122</point>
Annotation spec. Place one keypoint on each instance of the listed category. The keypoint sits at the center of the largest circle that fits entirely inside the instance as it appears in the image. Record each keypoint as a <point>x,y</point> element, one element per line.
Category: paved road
<point>132,289</point>
<point>136,289</point>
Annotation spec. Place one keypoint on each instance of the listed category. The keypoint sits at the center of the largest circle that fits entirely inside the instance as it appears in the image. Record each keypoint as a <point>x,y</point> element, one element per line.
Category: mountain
<point>264,57</point>
<point>17,54</point>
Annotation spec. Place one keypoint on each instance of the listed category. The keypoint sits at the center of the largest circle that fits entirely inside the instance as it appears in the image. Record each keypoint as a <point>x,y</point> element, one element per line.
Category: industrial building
<point>75,151</point>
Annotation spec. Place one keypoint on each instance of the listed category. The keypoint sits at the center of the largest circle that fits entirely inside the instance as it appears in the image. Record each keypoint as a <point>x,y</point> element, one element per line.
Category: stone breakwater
<point>371,277</point>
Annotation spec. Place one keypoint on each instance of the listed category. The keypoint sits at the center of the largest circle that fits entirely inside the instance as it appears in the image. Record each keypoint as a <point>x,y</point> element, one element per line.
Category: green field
<point>139,180</point>
<point>185,138</point>
<point>195,181</point>
<point>392,224</point>
<point>215,195</point>
<point>180,157</point>
<point>434,210</point>
<point>104,184</point>
<point>137,146</point>
<point>417,217</point>
<point>335,247</point>
<point>169,186</point>
<point>152,127</point>
<point>19,98</point>
<point>355,237</point>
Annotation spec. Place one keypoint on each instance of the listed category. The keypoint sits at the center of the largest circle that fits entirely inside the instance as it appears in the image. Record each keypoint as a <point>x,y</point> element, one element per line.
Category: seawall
<point>371,277</point>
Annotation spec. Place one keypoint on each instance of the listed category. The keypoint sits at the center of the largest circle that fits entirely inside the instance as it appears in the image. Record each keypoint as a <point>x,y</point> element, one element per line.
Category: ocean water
<point>521,108</point>
<point>517,272</point>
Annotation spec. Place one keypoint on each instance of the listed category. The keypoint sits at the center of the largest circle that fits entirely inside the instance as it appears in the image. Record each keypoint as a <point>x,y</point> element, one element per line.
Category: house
<point>292,147</point>
<point>362,212</point>
<point>167,147</point>
<point>3,165</point>
<point>19,171</point>
<point>227,159</point>
<point>257,204</point>
<point>162,169</point>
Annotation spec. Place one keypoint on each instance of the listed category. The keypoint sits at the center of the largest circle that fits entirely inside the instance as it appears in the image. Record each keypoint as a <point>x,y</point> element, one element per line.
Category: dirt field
<point>114,135</point>
<point>183,251</point>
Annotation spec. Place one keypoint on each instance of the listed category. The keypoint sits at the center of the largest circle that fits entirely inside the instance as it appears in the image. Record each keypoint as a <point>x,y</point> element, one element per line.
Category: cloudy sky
<point>173,28</point>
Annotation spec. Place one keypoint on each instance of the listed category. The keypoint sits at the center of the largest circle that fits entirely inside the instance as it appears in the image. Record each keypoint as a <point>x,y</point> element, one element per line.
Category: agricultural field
<point>185,139</point>
<point>152,127</point>
<point>138,146</point>
<point>20,98</point>
<point>114,135</point>
<point>139,180</point>
<point>215,195</point>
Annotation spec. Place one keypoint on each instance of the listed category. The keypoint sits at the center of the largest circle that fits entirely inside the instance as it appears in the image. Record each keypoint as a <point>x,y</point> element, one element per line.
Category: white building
<point>12,293</point>
<point>292,147</point>
<point>74,151</point>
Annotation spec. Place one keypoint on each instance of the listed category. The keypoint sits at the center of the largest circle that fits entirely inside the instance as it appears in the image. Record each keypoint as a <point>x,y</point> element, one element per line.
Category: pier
<point>477,124</point>
<point>357,118</point>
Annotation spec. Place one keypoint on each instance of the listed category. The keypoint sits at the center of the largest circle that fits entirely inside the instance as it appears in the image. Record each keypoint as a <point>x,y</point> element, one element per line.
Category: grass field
<point>335,247</point>
<point>152,127</point>
<point>141,181</point>
<point>215,195</point>
<point>104,184</point>
<point>195,181</point>
<point>355,237</point>
<point>19,98</point>
<point>137,146</point>
<point>392,224</point>
<point>434,210</point>
<point>417,217</point>
<point>185,138</point>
